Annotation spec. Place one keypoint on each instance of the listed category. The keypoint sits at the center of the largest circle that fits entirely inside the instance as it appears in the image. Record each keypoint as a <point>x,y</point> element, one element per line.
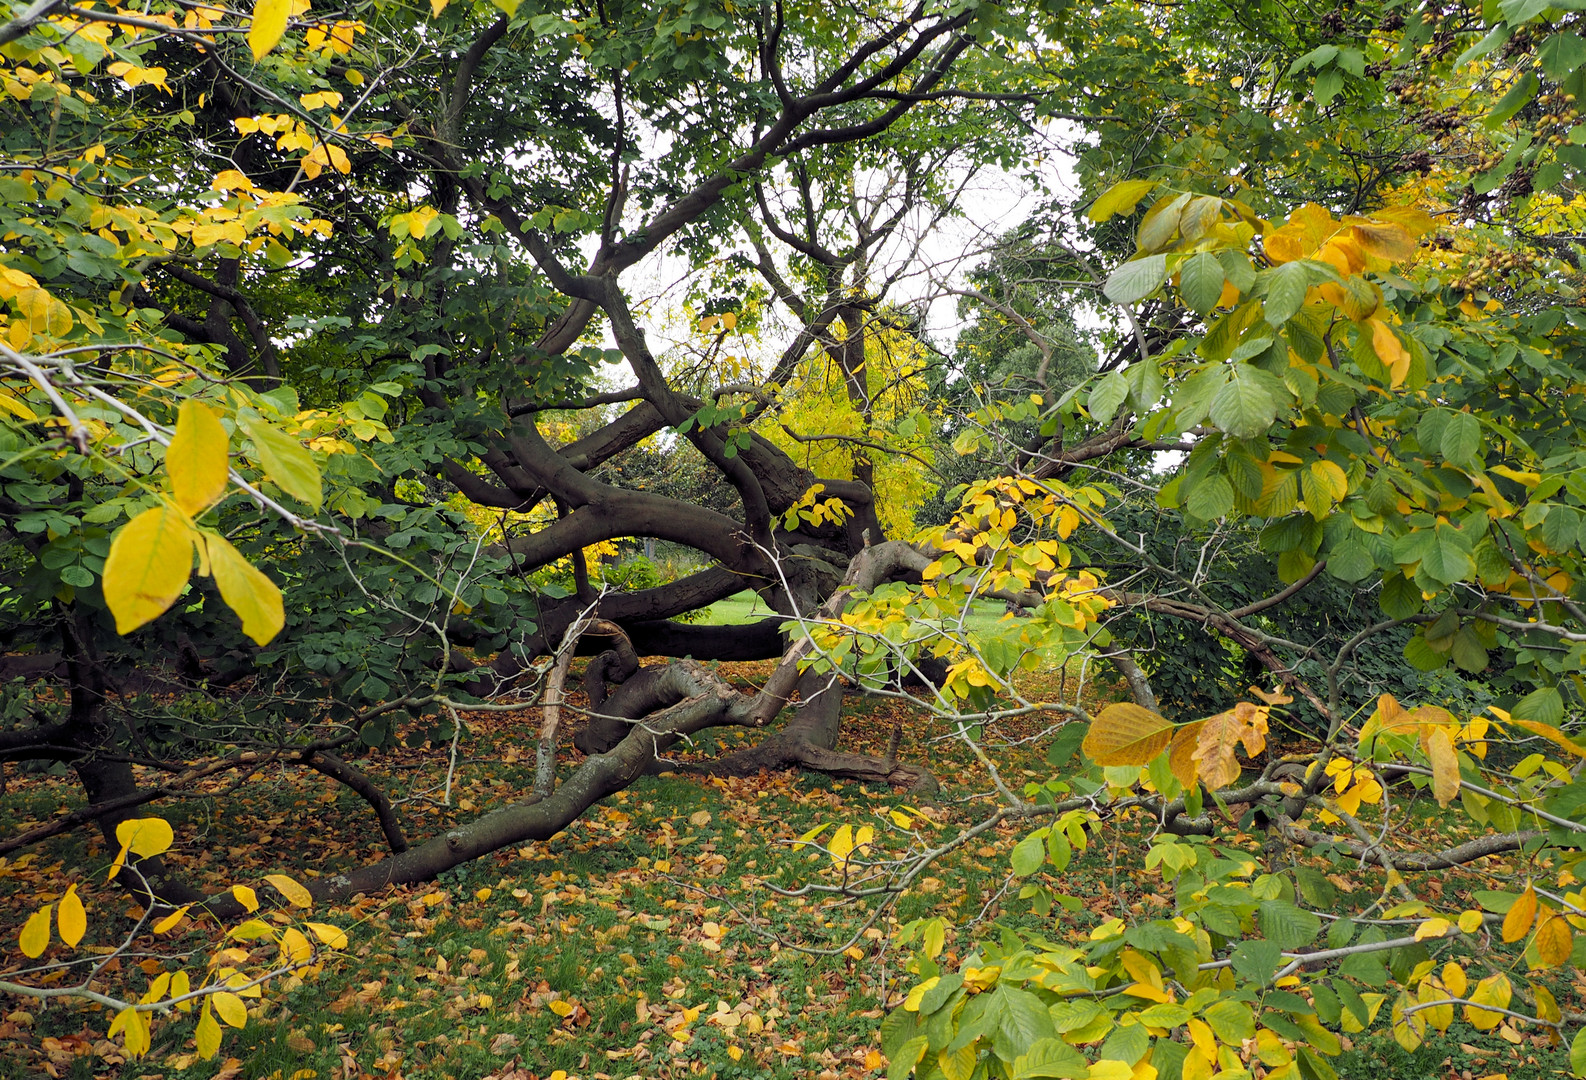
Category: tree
<point>409,261</point>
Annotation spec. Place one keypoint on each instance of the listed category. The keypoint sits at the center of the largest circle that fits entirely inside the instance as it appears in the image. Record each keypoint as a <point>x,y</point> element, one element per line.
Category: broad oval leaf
<point>1245,405</point>
<point>207,1037</point>
<point>197,457</point>
<point>267,26</point>
<point>1554,941</point>
<point>1135,280</point>
<point>150,560</point>
<point>229,1007</point>
<point>72,920</point>
<point>1286,290</point>
<point>145,837</point>
<point>1126,734</point>
<point>35,937</point>
<point>1121,198</point>
<point>1517,922</point>
<point>294,893</point>
<point>1201,282</point>
<point>1445,766</point>
<point>332,936</point>
<point>246,590</point>
<point>285,461</point>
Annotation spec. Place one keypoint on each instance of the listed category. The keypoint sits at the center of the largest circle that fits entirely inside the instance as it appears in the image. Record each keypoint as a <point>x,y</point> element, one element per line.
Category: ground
<point>623,948</point>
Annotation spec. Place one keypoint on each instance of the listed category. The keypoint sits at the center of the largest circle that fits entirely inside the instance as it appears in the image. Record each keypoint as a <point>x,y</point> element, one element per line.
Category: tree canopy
<point>349,356</point>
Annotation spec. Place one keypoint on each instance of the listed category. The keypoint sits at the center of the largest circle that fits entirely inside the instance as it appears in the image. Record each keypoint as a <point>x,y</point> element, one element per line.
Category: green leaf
<point>1286,288</point>
<point>1210,499</point>
<point>1518,97</point>
<point>1256,960</point>
<point>1201,282</point>
<point>1245,405</point>
<point>1400,599</point>
<point>1561,54</point>
<point>1350,562</point>
<point>1121,198</point>
<point>906,1058</point>
<point>1461,438</point>
<point>1288,925</point>
<point>1543,705</point>
<point>1577,1053</point>
<point>1135,280</point>
<point>1106,396</point>
<point>1448,558</point>
<point>285,461</point>
<point>1050,1058</point>
<point>1029,854</point>
<point>1328,84</point>
<point>1469,651</point>
<point>1231,1021</point>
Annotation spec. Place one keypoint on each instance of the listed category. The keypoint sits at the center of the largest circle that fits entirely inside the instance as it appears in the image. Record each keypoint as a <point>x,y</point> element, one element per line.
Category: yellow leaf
<point>208,1034</point>
<point>150,560</point>
<point>842,845</point>
<point>1445,766</point>
<point>36,933</point>
<point>269,23</point>
<point>172,919</point>
<point>1551,734</point>
<point>229,1007</point>
<point>197,457</point>
<point>332,936</point>
<point>231,179</point>
<point>295,893</point>
<point>1517,923</point>
<point>1554,941</point>
<point>246,897</point>
<point>145,837</point>
<point>1332,479</point>
<point>134,1029</point>
<point>1126,734</point>
<point>1454,980</point>
<point>16,408</point>
<point>1391,242</point>
<point>1181,753</point>
<point>560,1007</point>
<point>295,948</point>
<point>1431,928</point>
<point>1493,990</point>
<point>71,919</point>
<point>436,7</point>
<point>246,590</point>
<point>1390,351</point>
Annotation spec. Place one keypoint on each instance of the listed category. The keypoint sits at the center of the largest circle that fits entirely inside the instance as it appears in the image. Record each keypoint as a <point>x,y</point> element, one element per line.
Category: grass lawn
<point>637,944</point>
